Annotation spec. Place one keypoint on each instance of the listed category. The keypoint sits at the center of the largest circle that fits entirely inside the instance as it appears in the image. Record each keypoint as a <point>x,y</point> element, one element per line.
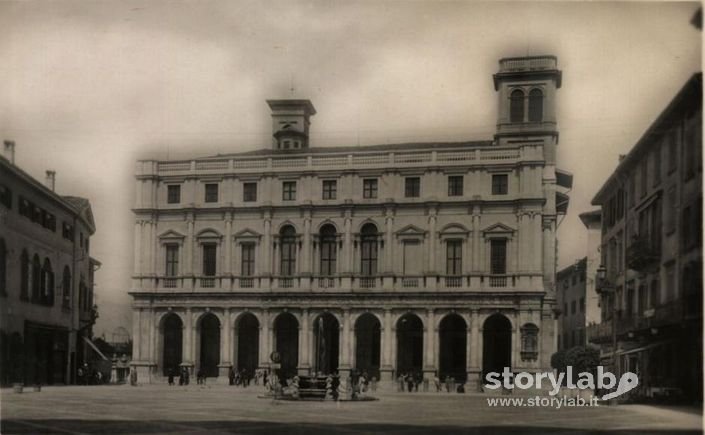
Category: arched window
<point>3,268</point>
<point>66,288</point>
<point>368,250</point>
<point>516,106</point>
<point>329,251</point>
<point>37,281</point>
<point>535,105</point>
<point>47,296</point>
<point>287,239</point>
<point>24,276</point>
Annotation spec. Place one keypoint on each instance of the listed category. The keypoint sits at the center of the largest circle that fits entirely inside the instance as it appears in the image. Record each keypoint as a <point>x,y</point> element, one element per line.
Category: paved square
<point>220,409</point>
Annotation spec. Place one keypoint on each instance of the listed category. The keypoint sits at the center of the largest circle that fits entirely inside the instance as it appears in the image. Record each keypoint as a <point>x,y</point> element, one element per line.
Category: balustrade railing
<point>207,282</point>
<point>410,282</point>
<point>454,281</point>
<point>367,282</point>
<point>286,282</point>
<point>247,282</point>
<point>169,282</point>
<point>326,282</point>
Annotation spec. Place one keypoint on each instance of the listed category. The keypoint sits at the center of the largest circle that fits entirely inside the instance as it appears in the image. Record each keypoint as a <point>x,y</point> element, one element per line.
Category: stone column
<point>189,268</point>
<point>267,269</point>
<point>348,244</point>
<point>474,350</point>
<point>153,247</point>
<point>225,349</point>
<point>136,336</point>
<point>431,249</point>
<point>476,265</point>
<point>264,335</point>
<point>305,352</point>
<point>138,249</point>
<point>152,338</point>
<point>344,343</point>
<point>228,269</point>
<point>187,349</point>
<point>306,257</point>
<point>429,344</point>
<point>386,344</point>
<point>388,241</point>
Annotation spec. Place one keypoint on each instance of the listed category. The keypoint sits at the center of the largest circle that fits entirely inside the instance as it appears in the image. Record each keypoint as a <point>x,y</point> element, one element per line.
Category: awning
<point>562,201</point>
<point>90,343</point>
<point>564,178</point>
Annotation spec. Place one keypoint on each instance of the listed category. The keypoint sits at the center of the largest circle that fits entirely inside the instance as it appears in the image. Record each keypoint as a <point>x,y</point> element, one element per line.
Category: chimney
<point>51,180</point>
<point>9,152</point>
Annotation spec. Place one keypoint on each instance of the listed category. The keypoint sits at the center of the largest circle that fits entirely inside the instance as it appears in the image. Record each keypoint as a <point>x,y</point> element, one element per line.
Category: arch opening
<point>409,344</point>
<point>496,344</point>
<point>367,346</point>
<point>453,347</point>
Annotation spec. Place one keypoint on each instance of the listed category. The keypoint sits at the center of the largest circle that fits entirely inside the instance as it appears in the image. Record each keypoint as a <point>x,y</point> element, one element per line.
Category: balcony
<point>454,281</point>
<point>498,281</point>
<point>325,282</point>
<point>286,282</point>
<point>643,255</point>
<point>247,282</point>
<point>207,282</point>
<point>600,332</point>
<point>169,282</point>
<point>410,282</point>
<point>534,63</point>
<point>368,282</point>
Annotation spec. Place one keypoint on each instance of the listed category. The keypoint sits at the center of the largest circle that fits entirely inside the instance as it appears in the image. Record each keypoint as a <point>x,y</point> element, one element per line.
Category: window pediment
<point>171,236</point>
<point>209,235</point>
<point>453,231</point>
<point>498,230</point>
<point>411,232</point>
<point>247,235</point>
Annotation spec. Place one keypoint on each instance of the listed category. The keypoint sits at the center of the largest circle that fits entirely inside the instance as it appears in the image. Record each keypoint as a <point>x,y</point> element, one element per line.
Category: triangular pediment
<point>410,230</point>
<point>171,234</point>
<point>247,234</point>
<point>498,228</point>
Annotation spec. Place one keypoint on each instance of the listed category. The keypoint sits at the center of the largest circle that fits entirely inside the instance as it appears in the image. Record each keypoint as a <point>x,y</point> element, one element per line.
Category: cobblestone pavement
<point>152,409</point>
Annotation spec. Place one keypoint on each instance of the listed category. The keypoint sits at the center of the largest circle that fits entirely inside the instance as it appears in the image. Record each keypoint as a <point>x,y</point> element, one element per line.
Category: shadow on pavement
<point>50,426</point>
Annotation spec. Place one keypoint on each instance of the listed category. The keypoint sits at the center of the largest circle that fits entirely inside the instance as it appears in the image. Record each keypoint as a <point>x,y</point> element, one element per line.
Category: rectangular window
<point>369,188</point>
<point>328,257</point>
<point>582,305</point>
<point>689,146</point>
<point>656,166</point>
<point>249,192</point>
<point>288,257</point>
<point>498,257</point>
<point>368,257</point>
<point>632,188</point>
<point>454,257</point>
<point>455,185</point>
<point>329,189</point>
<point>172,260</point>
<point>209,259</point>
<point>173,194</point>
<point>6,196</point>
<point>289,190</point>
<point>412,187</point>
<point>671,291</point>
<point>572,307</point>
<point>500,184</point>
<point>211,193</point>
<point>248,259</point>
<point>644,185</point>
<point>672,150</point>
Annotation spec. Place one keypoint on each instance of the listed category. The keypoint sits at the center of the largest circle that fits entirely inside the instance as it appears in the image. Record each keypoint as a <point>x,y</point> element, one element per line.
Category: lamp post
<point>604,286</point>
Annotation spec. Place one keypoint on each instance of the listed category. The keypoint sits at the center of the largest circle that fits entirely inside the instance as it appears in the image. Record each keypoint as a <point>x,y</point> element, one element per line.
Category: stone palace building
<point>407,258</point>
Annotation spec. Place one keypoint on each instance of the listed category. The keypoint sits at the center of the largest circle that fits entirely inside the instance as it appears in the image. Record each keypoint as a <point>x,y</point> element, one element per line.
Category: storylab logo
<point>603,381</point>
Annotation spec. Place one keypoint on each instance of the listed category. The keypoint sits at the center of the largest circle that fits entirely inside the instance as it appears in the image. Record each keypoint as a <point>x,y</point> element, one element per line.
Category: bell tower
<point>527,90</point>
<point>290,123</point>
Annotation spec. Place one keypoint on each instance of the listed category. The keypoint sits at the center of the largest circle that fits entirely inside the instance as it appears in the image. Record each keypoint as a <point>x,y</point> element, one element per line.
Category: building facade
<point>46,278</point>
<point>571,289</point>
<point>391,259</point>
<point>576,292</point>
<point>651,298</point>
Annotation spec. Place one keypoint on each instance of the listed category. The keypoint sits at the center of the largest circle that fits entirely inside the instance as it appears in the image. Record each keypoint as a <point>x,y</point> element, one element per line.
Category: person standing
<point>170,376</point>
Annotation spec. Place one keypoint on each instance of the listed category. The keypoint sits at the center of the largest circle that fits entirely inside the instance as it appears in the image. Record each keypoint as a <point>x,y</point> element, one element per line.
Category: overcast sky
<point>88,87</point>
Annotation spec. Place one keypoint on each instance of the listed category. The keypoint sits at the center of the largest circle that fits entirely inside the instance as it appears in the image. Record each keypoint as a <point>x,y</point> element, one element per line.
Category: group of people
<point>409,381</point>
<point>86,375</point>
<point>184,376</point>
<point>449,384</point>
<point>241,377</point>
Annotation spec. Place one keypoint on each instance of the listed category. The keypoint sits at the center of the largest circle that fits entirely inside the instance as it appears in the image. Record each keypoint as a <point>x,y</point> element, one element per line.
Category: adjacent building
<point>397,258</point>
<point>577,295</point>
<point>46,278</point>
<point>651,296</point>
